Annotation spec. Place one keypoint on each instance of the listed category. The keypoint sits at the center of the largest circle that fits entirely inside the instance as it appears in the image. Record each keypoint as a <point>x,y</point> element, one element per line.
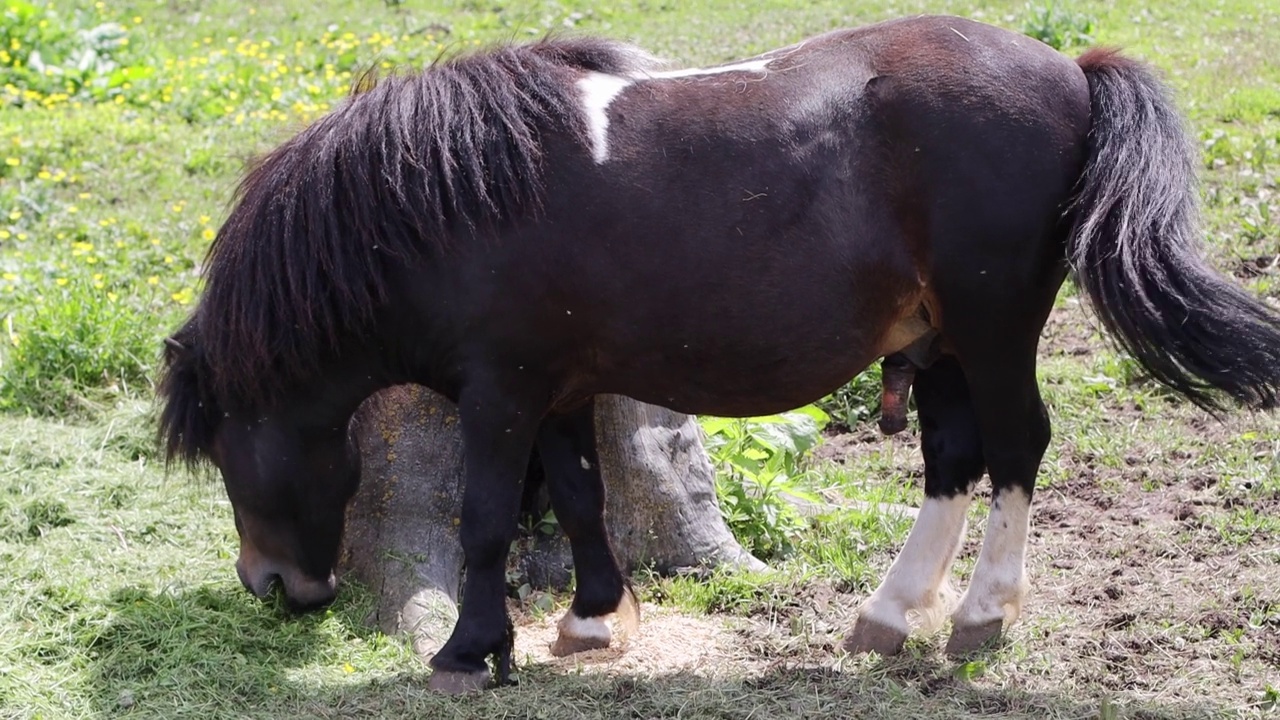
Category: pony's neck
<point>337,392</point>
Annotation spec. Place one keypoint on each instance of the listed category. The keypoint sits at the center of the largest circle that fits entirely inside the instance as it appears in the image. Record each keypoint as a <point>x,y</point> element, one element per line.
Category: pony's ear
<point>173,349</point>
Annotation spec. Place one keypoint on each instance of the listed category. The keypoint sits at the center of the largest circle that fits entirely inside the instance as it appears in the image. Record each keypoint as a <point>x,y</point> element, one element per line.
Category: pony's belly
<point>742,380</point>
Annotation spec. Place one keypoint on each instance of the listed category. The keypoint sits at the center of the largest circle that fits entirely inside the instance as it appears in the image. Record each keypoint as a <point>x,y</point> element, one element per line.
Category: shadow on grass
<point>213,651</point>
<point>795,691</point>
<point>216,652</point>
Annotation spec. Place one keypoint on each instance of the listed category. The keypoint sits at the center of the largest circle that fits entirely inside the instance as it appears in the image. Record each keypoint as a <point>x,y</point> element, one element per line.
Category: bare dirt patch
<point>668,641</point>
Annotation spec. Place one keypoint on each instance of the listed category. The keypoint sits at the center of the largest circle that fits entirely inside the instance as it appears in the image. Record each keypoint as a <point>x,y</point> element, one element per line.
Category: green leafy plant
<point>761,475</point>
<point>856,402</point>
<point>48,53</point>
<point>1058,27</point>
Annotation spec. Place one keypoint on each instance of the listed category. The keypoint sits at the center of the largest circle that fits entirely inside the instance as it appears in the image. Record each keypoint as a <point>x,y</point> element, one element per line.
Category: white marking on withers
<point>999,582</point>
<point>599,90</point>
<point>917,580</point>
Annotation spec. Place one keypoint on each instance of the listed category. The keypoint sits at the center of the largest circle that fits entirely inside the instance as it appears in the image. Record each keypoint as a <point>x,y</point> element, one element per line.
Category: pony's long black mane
<point>400,170</point>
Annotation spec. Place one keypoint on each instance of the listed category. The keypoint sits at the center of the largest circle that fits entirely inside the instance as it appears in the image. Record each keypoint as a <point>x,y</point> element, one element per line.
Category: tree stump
<point>402,527</point>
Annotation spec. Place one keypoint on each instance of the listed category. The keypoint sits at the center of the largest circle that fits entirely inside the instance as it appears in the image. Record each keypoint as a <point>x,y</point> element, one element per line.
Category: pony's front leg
<point>953,462</point>
<point>497,434</point>
<point>603,605</point>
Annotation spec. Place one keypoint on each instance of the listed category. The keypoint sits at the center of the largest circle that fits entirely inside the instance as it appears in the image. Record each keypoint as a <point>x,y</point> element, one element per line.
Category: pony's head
<point>288,474</point>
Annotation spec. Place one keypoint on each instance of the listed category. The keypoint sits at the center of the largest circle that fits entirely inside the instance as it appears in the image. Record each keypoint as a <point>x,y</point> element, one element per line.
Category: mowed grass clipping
<point>125,127</point>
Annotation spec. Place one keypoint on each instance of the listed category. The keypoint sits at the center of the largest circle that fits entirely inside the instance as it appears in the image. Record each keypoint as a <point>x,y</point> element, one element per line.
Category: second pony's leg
<point>953,462</point>
<point>567,445</point>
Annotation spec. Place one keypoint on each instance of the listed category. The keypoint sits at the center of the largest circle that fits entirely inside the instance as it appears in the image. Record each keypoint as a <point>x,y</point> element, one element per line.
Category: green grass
<point>119,597</point>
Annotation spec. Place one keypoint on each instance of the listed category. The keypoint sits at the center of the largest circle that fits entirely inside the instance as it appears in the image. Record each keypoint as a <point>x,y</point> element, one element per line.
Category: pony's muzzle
<point>302,593</point>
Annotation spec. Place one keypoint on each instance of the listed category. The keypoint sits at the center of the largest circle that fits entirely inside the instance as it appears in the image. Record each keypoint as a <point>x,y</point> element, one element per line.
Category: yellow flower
<point>44,175</point>
<point>85,196</point>
<point>168,259</point>
<point>10,277</point>
<point>13,161</point>
<point>208,234</point>
<point>112,296</point>
<point>176,207</point>
<point>153,280</point>
<point>4,235</point>
<point>15,215</point>
<point>72,208</point>
<point>61,281</point>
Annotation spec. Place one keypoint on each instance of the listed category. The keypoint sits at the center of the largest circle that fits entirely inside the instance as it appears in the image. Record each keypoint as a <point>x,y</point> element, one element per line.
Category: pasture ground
<point>1156,545</point>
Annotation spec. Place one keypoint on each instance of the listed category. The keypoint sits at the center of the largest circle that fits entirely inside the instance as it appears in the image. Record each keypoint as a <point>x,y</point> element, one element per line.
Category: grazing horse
<point>524,228</point>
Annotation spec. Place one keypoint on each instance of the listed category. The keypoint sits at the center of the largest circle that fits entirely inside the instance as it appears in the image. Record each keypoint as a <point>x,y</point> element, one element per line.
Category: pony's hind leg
<point>917,582</point>
<point>603,606</point>
<point>1015,433</point>
<point>498,432</point>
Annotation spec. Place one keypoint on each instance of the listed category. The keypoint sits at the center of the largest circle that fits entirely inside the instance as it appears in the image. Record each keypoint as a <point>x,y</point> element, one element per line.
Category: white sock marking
<point>594,628</point>
<point>999,581</point>
<point>917,580</point>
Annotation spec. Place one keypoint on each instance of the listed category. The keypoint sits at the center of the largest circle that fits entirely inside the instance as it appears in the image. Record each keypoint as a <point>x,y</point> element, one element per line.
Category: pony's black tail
<point>1135,249</point>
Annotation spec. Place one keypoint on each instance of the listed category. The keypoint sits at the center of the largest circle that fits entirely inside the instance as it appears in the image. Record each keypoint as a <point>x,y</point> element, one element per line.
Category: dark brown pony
<point>525,228</point>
